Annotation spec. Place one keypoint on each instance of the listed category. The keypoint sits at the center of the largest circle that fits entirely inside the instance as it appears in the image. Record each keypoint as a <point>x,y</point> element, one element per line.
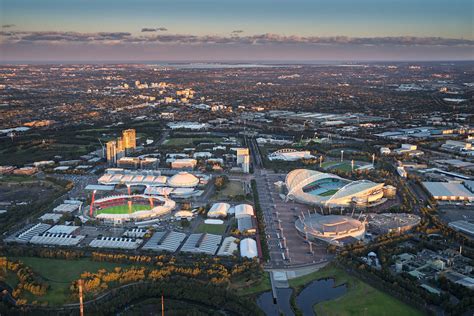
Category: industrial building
<point>450,191</point>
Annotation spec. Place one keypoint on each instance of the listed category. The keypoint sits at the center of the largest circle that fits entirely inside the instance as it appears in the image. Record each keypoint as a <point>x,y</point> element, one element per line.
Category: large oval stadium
<point>325,189</point>
<point>136,207</point>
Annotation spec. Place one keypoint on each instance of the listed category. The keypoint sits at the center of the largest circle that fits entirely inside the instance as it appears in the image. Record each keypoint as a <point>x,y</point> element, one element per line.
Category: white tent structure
<point>248,248</point>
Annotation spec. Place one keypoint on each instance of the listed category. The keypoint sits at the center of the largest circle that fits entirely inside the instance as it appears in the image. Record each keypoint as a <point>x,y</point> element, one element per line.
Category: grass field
<point>328,193</point>
<point>189,141</point>
<point>59,274</point>
<point>123,209</point>
<point>231,189</point>
<point>360,299</point>
<point>262,285</point>
<point>218,229</point>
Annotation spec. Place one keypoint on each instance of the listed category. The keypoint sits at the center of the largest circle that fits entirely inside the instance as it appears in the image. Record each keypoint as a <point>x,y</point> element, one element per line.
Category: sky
<point>245,30</point>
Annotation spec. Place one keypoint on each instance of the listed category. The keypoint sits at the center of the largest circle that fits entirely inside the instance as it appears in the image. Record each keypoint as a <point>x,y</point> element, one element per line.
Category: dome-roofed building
<point>183,180</point>
<point>330,228</point>
<point>319,188</point>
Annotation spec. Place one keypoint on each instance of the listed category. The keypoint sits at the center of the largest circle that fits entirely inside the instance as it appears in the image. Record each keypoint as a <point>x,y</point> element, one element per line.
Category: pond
<point>315,292</point>
<point>318,291</point>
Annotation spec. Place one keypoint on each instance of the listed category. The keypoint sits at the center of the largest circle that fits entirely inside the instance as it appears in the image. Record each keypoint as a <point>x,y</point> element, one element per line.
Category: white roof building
<point>248,248</point>
<point>449,191</point>
<point>62,229</point>
<point>54,217</point>
<point>218,210</point>
<point>228,247</point>
<point>290,155</point>
<point>243,210</point>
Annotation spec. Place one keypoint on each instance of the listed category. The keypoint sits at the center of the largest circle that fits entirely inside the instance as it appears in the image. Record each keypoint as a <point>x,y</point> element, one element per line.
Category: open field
<point>190,141</point>
<point>231,189</point>
<point>60,274</point>
<point>123,209</point>
<point>262,285</point>
<point>360,299</point>
<point>218,229</point>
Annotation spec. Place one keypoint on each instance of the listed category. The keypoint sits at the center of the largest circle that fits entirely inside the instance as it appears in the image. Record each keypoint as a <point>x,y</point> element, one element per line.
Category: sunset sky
<point>113,30</point>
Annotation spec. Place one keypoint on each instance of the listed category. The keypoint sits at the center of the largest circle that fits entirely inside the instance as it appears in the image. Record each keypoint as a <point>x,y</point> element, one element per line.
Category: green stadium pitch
<point>123,209</point>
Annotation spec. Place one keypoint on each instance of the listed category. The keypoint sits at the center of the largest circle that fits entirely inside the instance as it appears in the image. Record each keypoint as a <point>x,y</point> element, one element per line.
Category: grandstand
<point>123,208</point>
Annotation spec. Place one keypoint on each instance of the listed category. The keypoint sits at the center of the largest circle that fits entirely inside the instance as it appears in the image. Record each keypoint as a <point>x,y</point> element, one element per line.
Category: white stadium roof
<point>361,191</point>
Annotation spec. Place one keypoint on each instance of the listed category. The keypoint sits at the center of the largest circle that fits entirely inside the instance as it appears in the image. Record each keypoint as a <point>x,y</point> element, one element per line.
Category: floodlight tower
<point>81,302</point>
<point>129,206</point>
<point>91,210</point>
<point>342,155</point>
<point>373,160</point>
<point>151,202</point>
<point>321,161</point>
<point>352,165</point>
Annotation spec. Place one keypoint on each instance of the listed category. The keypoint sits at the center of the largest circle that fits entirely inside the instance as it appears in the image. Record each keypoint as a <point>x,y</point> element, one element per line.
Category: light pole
<point>342,155</point>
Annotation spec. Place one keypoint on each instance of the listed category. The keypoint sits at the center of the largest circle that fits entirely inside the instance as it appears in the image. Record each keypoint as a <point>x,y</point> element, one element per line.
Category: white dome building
<point>330,228</point>
<point>183,180</point>
<point>325,189</point>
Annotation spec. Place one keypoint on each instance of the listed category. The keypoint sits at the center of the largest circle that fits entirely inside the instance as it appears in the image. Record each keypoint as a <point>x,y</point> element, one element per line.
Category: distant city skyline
<point>87,30</point>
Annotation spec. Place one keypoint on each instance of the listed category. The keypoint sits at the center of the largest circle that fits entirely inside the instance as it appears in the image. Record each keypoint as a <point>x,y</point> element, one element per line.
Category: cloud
<point>158,29</point>
<point>7,25</point>
<point>237,31</point>
<point>258,39</point>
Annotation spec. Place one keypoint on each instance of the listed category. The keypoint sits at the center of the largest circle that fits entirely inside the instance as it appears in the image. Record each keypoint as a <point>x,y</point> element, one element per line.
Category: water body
<point>267,305</point>
<point>316,292</point>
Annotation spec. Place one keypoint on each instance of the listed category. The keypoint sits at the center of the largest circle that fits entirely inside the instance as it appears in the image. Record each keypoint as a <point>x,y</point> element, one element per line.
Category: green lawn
<point>11,279</point>
<point>360,299</point>
<point>123,209</point>
<point>328,193</point>
<point>262,285</point>
<point>189,141</point>
<point>231,189</point>
<point>59,274</point>
<point>17,178</point>
<point>327,164</point>
<point>218,229</point>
